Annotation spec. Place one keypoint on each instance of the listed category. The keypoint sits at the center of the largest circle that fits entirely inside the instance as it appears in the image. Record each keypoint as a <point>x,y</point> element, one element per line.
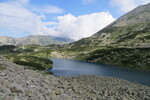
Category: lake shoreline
<point>20,83</point>
<point>72,67</point>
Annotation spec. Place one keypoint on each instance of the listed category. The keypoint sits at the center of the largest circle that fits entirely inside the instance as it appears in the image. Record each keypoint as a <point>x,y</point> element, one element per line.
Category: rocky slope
<point>37,39</point>
<point>19,83</point>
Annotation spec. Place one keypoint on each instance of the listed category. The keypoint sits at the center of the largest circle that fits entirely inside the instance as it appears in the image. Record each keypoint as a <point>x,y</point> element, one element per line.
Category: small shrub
<point>31,64</point>
<point>34,62</point>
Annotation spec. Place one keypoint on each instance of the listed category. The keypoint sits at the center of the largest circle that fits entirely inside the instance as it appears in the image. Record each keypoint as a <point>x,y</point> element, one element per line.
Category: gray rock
<point>29,93</point>
<point>9,98</point>
<point>57,92</point>
<point>53,95</point>
<point>15,90</point>
<point>5,90</point>
<point>125,98</point>
<point>2,74</point>
<point>25,84</point>
<point>28,82</point>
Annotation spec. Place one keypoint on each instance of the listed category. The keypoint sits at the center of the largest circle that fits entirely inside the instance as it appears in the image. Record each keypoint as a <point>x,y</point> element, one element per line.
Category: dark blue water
<point>67,67</point>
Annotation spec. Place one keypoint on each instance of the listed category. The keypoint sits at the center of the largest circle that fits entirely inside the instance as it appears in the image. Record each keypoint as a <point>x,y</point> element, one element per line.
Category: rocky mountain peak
<point>140,14</point>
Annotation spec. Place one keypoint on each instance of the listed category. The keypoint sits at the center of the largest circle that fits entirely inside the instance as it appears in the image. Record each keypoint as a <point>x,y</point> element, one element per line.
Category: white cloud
<point>16,18</point>
<point>88,1</point>
<point>23,1</point>
<point>82,26</point>
<point>127,5</point>
<point>49,9</point>
<point>52,9</point>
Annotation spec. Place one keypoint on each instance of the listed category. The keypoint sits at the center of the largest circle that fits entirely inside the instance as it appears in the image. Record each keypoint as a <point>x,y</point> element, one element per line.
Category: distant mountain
<point>132,29</point>
<point>37,39</point>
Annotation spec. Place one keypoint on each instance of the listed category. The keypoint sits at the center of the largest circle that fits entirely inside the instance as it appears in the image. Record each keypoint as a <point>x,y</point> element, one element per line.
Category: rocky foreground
<point>19,83</point>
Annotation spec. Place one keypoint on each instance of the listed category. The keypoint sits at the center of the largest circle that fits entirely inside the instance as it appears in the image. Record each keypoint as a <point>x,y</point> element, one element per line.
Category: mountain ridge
<point>37,39</point>
<point>125,42</point>
<point>134,12</point>
<point>130,29</point>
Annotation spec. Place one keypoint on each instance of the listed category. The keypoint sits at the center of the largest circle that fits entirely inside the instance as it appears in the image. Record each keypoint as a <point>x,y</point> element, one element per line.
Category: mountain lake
<point>68,67</point>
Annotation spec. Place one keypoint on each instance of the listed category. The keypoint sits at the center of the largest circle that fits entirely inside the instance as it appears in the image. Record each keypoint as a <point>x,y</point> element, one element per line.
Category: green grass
<point>137,58</point>
<point>34,62</point>
<point>94,49</point>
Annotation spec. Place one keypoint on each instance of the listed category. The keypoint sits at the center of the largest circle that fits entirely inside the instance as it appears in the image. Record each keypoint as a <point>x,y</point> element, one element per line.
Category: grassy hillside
<point>125,42</point>
<point>32,56</point>
<point>34,62</point>
<point>135,58</point>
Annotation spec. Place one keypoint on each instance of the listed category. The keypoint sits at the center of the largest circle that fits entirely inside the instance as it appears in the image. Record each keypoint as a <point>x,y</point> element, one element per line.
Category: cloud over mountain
<point>82,26</point>
<point>26,18</point>
<point>127,5</point>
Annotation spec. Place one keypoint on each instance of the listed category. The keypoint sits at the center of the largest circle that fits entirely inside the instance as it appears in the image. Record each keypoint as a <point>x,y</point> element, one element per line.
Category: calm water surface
<point>68,67</point>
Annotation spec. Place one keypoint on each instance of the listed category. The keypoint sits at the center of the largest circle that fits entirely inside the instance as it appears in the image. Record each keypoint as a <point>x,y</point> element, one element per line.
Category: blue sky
<point>74,19</point>
<point>79,7</point>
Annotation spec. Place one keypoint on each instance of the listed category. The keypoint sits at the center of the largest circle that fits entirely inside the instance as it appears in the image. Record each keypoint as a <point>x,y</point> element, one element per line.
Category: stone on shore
<point>19,83</point>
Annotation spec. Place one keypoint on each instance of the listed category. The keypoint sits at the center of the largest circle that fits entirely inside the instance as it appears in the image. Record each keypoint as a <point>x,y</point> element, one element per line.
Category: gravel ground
<point>19,83</point>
